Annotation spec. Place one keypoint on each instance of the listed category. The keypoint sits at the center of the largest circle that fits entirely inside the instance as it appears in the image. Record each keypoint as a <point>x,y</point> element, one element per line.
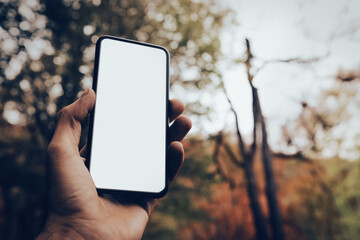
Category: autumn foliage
<point>306,201</point>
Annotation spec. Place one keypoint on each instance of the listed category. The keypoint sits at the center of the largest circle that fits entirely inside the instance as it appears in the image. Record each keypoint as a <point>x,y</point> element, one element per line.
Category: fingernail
<point>85,92</point>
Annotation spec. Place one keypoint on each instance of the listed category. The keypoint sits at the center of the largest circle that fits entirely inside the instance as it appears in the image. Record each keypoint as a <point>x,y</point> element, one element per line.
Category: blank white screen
<point>129,142</point>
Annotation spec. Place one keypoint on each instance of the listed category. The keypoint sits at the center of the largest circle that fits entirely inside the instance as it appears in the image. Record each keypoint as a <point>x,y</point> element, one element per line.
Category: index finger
<point>176,108</point>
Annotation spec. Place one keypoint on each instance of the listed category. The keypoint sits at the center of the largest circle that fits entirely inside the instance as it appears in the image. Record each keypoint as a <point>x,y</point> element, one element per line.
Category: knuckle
<point>63,113</point>
<point>52,150</point>
<point>68,115</point>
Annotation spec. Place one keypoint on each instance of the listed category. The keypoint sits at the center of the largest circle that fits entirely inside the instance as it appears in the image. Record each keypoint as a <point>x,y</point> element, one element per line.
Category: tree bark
<point>259,220</point>
<point>275,216</point>
<point>251,187</point>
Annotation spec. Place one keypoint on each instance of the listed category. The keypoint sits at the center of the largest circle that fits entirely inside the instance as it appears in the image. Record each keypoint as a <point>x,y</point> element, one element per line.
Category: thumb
<point>69,177</point>
<point>68,130</point>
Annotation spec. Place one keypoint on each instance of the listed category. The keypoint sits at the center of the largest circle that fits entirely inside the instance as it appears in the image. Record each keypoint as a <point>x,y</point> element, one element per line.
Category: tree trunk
<point>275,216</point>
<point>259,220</point>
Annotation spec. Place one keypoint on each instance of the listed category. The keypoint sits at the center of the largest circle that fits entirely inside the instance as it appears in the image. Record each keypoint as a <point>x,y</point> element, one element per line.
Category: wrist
<point>55,232</point>
<point>68,229</point>
<point>56,228</point>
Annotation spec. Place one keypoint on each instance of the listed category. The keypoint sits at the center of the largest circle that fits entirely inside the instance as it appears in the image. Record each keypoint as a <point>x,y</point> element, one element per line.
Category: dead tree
<point>247,162</point>
<point>275,216</point>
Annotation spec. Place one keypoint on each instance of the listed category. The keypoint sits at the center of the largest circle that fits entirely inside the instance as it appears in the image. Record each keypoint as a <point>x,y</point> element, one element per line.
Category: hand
<point>76,211</point>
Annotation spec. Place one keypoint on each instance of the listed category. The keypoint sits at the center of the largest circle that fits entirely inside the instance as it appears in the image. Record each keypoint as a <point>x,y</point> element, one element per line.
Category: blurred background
<point>271,86</point>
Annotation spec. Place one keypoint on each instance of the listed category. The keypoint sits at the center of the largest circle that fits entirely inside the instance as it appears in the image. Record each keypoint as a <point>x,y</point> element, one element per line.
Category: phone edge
<point>92,112</point>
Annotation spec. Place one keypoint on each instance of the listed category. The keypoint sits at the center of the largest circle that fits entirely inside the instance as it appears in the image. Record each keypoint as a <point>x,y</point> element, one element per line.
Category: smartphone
<point>127,141</point>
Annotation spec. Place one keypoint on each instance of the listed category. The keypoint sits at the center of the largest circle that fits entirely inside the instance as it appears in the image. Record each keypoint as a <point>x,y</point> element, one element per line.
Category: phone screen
<point>128,126</point>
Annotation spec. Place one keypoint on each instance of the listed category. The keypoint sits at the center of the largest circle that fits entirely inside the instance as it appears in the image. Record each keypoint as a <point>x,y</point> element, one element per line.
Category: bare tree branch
<point>295,60</point>
<point>243,151</point>
<point>232,155</point>
<point>219,169</point>
<point>299,156</point>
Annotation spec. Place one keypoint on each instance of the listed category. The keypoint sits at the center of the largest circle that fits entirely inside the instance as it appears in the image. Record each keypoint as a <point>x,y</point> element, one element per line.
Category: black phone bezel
<point>91,121</point>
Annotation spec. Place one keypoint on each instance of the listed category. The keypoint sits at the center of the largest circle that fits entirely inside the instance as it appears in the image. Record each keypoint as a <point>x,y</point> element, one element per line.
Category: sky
<point>277,29</point>
<point>282,29</point>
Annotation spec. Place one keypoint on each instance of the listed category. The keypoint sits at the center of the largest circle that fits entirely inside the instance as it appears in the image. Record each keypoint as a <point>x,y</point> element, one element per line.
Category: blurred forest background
<point>299,180</point>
